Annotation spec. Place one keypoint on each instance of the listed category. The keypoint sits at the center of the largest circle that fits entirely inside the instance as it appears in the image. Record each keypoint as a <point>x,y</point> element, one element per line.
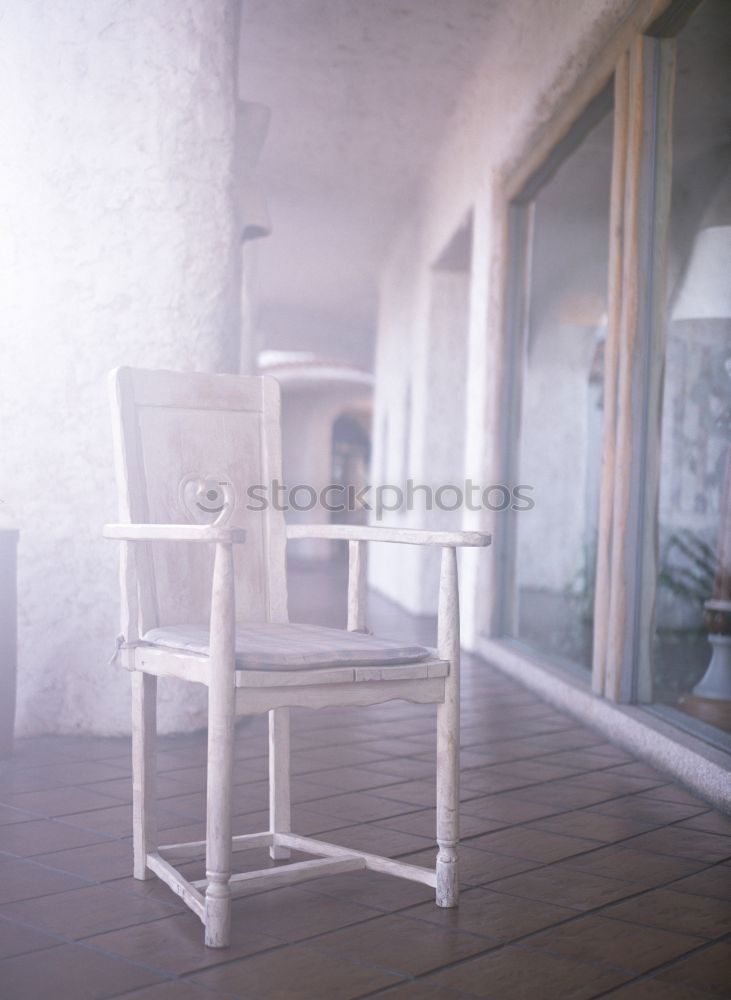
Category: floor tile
<point>711,822</point>
<point>296,973</point>
<point>70,972</point>
<point>93,909</point>
<point>508,809</point>
<point>294,914</point>
<point>638,769</point>
<point>489,781</point>
<point>476,867</point>
<point>706,969</point>
<point>174,989</point>
<point>9,815</point>
<point>98,862</point>
<point>377,839</point>
<point>149,889</point>
<point>353,779</point>
<point>579,890</point>
<point>671,792</point>
<point>647,810</point>
<point>424,824</point>
<point>596,939</point>
<point>20,879</point>
<point>493,914</point>
<point>59,801</point>
<point>643,867</point>
<point>116,820</point>
<point>360,807</point>
<point>683,912</point>
<point>592,825</point>
<point>13,781</point>
<point>80,772</point>
<point>520,974</point>
<point>612,782</point>
<point>584,760</point>
<point>565,794</point>
<point>655,989</point>
<point>121,788</point>
<point>697,844</point>
<point>416,793</point>
<point>43,835</point>
<point>402,768</point>
<point>18,939</point>
<point>176,944</point>
<point>382,892</point>
<point>533,844</point>
<point>533,771</point>
<point>418,990</point>
<point>318,758</point>
<point>714,882</point>
<point>404,945</point>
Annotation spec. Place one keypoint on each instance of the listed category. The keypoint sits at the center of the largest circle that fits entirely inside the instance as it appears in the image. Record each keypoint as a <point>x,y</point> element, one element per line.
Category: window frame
<point>640,60</point>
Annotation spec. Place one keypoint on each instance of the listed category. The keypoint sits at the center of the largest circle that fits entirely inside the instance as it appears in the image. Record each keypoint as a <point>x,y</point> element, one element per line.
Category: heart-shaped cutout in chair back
<point>207,499</point>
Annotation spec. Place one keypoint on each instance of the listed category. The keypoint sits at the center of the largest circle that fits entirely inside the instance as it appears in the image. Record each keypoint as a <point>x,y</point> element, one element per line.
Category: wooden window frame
<point>641,59</point>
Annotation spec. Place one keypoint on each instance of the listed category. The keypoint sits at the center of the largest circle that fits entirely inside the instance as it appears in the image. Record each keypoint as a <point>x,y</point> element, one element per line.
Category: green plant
<point>692,580</point>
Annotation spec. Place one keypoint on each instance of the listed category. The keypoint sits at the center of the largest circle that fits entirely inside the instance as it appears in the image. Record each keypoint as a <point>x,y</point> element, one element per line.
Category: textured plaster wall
<point>309,412</point>
<point>537,50</point>
<point>118,245</point>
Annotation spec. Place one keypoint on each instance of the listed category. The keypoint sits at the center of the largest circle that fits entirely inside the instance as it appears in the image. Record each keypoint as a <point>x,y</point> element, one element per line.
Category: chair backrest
<point>189,448</point>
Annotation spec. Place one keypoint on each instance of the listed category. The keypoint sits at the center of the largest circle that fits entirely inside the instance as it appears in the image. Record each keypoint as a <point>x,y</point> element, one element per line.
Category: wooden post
<point>221,711</point>
<point>357,582</point>
<point>611,356</point>
<point>144,733</point>
<point>280,820</point>
<point>640,370</point>
<point>448,742</point>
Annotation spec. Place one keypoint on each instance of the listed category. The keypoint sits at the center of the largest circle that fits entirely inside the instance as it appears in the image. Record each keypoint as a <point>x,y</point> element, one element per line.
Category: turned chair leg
<point>279,769</point>
<point>144,732</point>
<point>447,807</point>
<point>448,739</point>
<point>218,825</point>
<point>221,718</point>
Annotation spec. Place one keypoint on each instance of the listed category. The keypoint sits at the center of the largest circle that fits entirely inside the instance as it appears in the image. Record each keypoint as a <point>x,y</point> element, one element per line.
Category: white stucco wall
<point>118,245</point>
<point>538,50</point>
<point>309,411</point>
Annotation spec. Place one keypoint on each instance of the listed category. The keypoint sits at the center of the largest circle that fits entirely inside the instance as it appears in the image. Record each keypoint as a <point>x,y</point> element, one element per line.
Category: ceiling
<point>361,92</point>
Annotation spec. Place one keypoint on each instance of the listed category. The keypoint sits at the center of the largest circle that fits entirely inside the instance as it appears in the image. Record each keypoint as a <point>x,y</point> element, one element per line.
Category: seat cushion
<point>289,646</point>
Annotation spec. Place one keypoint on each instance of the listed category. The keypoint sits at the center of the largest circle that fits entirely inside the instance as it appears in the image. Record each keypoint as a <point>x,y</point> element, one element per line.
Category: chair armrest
<point>174,533</point>
<point>409,536</point>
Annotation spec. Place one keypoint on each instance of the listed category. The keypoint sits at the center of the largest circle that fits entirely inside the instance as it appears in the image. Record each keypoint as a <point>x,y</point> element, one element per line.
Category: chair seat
<point>293,647</point>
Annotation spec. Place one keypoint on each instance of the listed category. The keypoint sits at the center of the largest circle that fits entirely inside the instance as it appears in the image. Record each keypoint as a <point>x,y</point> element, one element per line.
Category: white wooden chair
<point>188,447</point>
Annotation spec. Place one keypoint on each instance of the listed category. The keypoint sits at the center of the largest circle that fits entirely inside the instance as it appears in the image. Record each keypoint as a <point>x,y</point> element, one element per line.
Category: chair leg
<point>144,732</point>
<point>447,805</point>
<point>279,770</point>
<point>219,830</point>
<point>448,739</point>
<point>221,716</point>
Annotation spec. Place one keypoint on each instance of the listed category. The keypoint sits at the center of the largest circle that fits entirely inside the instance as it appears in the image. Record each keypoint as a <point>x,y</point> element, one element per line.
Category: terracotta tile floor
<point>586,874</point>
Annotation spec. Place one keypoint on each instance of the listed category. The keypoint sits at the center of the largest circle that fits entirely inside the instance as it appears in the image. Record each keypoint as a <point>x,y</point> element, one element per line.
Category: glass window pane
<point>694,585</point>
<point>561,403</point>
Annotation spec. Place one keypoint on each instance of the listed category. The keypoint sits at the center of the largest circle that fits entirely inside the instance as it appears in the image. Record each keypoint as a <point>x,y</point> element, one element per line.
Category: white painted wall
<point>537,50</point>
<point>309,411</point>
<point>118,245</point>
